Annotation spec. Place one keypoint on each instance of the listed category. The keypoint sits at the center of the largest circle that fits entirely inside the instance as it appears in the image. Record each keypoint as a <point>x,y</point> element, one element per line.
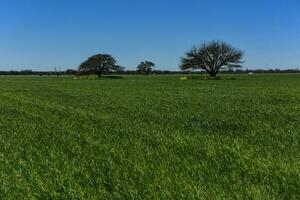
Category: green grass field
<point>155,137</point>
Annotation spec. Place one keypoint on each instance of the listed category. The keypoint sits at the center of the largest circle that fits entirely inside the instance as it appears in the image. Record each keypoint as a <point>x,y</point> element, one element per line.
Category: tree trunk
<point>99,73</point>
<point>212,73</point>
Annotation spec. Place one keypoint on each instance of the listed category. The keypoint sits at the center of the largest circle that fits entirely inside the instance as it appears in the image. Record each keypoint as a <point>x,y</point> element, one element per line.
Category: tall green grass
<point>155,137</point>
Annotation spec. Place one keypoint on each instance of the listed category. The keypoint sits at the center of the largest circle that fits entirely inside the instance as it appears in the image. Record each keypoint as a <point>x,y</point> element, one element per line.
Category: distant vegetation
<point>99,64</point>
<point>212,57</point>
<point>132,72</point>
<point>145,67</point>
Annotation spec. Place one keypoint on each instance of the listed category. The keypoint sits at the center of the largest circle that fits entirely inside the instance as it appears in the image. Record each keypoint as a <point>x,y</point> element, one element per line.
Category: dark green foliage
<point>145,67</point>
<point>99,64</point>
<point>212,57</point>
<point>150,138</point>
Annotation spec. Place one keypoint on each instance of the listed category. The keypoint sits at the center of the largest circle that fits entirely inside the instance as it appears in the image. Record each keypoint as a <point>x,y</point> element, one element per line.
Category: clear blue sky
<point>41,34</point>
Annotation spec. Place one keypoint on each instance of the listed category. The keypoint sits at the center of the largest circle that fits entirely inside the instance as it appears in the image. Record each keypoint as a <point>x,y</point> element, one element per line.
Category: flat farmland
<point>155,137</point>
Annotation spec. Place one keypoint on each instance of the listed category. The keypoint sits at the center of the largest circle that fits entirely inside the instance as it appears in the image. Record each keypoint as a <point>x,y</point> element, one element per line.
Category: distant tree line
<point>209,58</point>
<point>41,73</point>
<point>154,72</point>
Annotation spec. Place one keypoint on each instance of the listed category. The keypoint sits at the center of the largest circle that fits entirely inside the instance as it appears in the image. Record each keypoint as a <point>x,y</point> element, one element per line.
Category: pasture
<point>155,137</point>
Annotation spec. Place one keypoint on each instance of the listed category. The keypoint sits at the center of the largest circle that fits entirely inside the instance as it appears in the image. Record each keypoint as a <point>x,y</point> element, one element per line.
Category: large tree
<point>212,57</point>
<point>145,67</point>
<point>99,64</point>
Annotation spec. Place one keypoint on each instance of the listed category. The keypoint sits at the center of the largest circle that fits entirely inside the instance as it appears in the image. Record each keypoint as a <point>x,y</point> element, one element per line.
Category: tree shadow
<point>207,78</point>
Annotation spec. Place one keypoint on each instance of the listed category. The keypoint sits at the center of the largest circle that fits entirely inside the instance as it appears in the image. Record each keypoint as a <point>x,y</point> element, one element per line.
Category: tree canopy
<point>212,57</point>
<point>99,64</point>
<point>145,67</point>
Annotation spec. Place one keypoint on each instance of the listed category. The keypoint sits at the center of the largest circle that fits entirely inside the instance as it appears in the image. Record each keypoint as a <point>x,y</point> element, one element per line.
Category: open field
<point>154,137</point>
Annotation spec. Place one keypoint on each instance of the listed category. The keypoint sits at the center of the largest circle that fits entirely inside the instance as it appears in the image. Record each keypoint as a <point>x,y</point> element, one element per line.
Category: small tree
<point>145,67</point>
<point>99,64</point>
<point>212,57</point>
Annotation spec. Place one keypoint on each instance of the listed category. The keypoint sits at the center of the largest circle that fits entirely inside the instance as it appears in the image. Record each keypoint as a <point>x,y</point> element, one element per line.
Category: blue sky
<point>42,34</point>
